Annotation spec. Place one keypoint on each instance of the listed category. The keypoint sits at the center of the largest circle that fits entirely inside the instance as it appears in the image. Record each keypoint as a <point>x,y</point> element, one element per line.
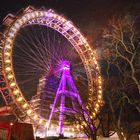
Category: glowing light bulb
<point>11,124</point>
<point>99,96</point>
<point>10,76</point>
<point>24,19</point>
<point>12,84</point>
<point>19,22</point>
<point>46,125</point>
<point>97,67</point>
<point>100,91</point>
<point>41,13</point>
<point>40,121</point>
<point>36,13</point>
<point>99,81</point>
<point>29,111</point>
<point>17,26</point>
<point>9,40</point>
<point>25,105</point>
<point>96,110</point>
<point>97,105</point>
<point>11,35</point>
<point>35,117</point>
<point>7,61</point>
<point>19,99</point>
<point>28,16</point>
<point>8,69</point>
<point>7,53</point>
<point>7,46</point>
<point>99,101</point>
<point>77,126</point>
<point>52,126</point>
<point>99,77</point>
<point>94,114</point>
<point>32,15</point>
<point>16,91</point>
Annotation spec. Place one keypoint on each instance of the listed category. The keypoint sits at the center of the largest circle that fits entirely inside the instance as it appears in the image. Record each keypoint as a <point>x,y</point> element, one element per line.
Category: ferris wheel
<point>35,44</point>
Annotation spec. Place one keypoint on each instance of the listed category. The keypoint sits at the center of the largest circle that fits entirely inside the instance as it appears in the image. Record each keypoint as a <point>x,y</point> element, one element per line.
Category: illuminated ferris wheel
<point>35,44</point>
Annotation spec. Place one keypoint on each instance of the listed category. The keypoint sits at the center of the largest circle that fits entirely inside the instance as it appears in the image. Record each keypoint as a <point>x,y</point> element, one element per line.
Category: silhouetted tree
<point>120,53</point>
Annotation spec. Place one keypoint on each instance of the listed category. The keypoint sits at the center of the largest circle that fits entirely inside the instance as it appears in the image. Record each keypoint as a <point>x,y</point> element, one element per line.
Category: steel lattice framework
<point>11,91</point>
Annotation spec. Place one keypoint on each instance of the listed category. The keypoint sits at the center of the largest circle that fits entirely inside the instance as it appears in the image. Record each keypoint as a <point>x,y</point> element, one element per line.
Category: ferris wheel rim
<point>32,18</point>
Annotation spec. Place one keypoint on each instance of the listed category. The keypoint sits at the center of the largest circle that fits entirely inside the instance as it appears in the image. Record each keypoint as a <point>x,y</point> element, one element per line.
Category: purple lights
<point>65,65</point>
<point>66,89</point>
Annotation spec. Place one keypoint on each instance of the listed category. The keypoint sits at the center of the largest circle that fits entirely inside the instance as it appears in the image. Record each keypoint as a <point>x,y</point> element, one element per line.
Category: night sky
<point>87,15</point>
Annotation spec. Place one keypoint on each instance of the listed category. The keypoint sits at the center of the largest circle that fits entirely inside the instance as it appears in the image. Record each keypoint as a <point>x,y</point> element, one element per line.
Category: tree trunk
<point>93,137</point>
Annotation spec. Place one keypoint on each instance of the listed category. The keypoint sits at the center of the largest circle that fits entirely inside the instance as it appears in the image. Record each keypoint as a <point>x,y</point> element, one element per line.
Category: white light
<point>99,81</point>
<point>16,91</point>
<point>83,39</point>
<point>19,22</point>
<point>7,53</point>
<point>10,76</point>
<point>11,124</point>
<point>50,15</point>
<point>32,15</point>
<point>29,111</point>
<point>36,13</point>
<point>11,34</point>
<point>7,61</point>
<point>12,84</point>
<point>19,99</point>
<point>52,126</point>
<point>46,125</point>
<point>17,26</point>
<point>28,16</point>
<point>35,117</point>
<point>7,46</point>
<point>24,19</point>
<point>96,110</point>
<point>94,114</point>
<point>99,96</point>
<point>40,121</point>
<point>8,69</point>
<point>95,62</point>
<point>25,105</point>
<point>100,91</point>
<point>97,105</point>
<point>9,40</point>
<point>41,13</point>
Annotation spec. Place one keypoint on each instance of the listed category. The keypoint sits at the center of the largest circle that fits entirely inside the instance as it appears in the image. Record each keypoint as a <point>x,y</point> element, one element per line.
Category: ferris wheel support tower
<point>66,88</point>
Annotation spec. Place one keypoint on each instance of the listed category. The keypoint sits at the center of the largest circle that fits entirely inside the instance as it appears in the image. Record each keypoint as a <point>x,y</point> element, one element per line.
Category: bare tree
<point>86,121</point>
<point>121,53</point>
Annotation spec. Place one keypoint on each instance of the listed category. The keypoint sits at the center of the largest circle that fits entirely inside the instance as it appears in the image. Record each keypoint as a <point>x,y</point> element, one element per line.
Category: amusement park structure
<point>68,89</point>
<point>66,99</point>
